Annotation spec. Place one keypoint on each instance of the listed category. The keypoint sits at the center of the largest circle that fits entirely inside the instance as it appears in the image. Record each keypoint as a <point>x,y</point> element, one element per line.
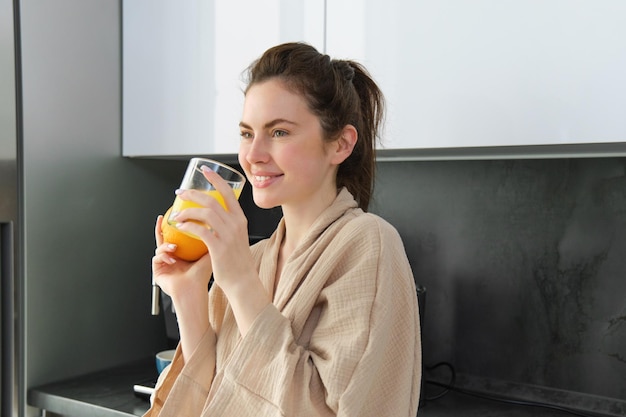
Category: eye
<point>246,135</point>
<point>279,133</point>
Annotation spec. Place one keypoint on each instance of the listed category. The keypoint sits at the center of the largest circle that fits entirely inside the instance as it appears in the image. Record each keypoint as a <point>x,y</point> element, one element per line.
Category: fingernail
<point>172,260</point>
<point>178,191</point>
<point>171,246</point>
<point>174,214</point>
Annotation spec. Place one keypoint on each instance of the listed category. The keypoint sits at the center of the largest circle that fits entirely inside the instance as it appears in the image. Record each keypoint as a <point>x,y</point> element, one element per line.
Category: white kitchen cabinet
<point>490,73</point>
<point>182,67</point>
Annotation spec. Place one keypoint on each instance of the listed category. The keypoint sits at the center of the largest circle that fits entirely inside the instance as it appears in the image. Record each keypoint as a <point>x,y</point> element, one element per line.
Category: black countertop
<point>102,394</point>
<point>110,394</point>
<point>460,405</point>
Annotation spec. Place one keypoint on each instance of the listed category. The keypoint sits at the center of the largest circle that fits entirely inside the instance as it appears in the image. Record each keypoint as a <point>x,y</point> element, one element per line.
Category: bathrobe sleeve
<point>185,386</point>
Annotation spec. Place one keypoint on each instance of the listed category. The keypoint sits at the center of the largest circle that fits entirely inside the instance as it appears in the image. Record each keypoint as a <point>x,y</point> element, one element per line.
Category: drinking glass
<point>194,179</point>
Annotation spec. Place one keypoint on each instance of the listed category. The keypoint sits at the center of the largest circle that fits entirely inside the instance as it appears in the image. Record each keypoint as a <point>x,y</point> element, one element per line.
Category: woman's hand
<point>225,232</point>
<point>187,284</point>
<point>173,275</point>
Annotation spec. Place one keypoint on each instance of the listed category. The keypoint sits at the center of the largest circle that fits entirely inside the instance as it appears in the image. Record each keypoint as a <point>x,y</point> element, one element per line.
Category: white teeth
<point>261,178</point>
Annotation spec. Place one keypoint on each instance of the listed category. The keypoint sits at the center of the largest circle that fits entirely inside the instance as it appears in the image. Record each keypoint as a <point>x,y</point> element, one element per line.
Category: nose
<point>256,150</point>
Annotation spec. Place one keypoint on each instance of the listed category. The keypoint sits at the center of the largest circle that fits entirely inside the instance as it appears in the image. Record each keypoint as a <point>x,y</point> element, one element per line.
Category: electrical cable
<point>451,383</point>
<point>447,387</point>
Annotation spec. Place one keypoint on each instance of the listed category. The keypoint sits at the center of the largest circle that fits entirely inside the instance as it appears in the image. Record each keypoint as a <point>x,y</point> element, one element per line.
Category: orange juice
<point>180,204</point>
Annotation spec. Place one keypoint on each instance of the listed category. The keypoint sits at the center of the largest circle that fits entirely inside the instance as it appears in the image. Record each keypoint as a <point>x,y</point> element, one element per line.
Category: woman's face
<point>282,150</point>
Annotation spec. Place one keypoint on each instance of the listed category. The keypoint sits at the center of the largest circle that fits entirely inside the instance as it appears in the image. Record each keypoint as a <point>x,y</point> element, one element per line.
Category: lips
<point>265,180</point>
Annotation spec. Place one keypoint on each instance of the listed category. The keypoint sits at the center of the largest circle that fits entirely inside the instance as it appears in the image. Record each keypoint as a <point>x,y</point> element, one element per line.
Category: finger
<point>204,231</point>
<point>158,235</point>
<point>195,212</point>
<point>210,214</point>
<point>223,188</point>
<point>163,258</point>
<point>165,248</point>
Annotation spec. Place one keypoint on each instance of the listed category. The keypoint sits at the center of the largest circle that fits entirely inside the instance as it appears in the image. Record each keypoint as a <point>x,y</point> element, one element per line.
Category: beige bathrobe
<point>341,338</point>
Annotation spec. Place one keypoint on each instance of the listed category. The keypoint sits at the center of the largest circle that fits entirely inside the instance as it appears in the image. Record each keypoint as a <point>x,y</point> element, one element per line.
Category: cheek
<point>305,169</point>
<point>296,161</point>
<point>307,152</point>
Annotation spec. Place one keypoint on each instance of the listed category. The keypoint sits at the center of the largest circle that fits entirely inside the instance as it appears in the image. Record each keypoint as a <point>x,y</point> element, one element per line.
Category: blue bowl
<point>163,359</point>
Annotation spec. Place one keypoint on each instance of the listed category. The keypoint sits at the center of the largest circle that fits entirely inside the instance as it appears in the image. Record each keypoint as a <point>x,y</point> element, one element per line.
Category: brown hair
<point>339,92</point>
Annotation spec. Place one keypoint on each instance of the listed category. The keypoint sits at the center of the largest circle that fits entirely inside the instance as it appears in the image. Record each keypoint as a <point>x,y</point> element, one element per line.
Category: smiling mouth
<point>262,181</point>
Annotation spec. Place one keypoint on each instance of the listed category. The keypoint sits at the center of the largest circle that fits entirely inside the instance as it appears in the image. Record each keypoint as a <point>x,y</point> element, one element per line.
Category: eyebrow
<point>269,124</point>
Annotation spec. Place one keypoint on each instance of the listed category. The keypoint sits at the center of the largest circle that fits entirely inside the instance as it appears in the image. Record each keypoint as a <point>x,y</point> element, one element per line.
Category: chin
<point>264,203</point>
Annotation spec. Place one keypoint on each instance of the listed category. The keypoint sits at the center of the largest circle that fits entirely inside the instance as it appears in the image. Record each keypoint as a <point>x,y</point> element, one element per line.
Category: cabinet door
<point>183,62</point>
<point>245,29</point>
<point>490,73</point>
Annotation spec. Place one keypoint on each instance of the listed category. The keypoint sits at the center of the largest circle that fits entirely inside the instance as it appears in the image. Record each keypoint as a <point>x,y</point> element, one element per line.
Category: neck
<point>298,220</point>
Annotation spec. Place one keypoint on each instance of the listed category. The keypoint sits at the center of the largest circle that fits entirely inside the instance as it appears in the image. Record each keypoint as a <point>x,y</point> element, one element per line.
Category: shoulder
<point>360,234</point>
<point>371,226</point>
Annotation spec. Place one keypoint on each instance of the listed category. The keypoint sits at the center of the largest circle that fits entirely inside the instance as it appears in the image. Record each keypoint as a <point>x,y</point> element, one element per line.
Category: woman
<point>320,319</point>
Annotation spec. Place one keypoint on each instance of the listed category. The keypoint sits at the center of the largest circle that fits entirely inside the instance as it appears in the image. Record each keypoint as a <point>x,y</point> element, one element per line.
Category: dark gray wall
<point>524,264</point>
<point>88,213</point>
